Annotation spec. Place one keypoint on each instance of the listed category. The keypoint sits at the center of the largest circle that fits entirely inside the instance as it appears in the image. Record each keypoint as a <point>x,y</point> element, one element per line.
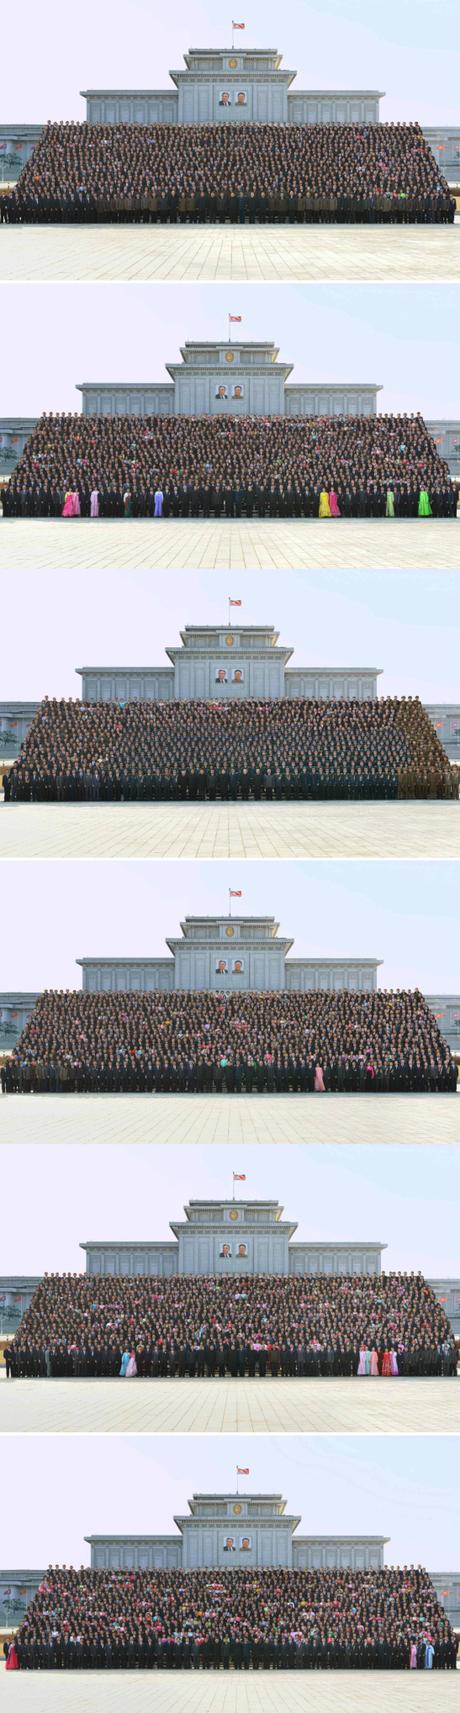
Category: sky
<point>407,48</point>
<point>405,913</point>
<point>406,624</point>
<point>406,339</point>
<point>66,1487</point>
<point>407,1198</point>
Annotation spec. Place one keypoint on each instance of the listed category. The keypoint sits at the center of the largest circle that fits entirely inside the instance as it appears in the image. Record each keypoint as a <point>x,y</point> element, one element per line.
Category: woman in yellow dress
<point>324,507</point>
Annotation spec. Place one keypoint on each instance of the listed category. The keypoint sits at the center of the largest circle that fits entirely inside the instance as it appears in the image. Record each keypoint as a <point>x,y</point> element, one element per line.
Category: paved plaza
<point>208,253</point>
<point>230,1406</point>
<point>229,1692</point>
<point>225,544</point>
<point>248,830</point>
<point>256,1118</point>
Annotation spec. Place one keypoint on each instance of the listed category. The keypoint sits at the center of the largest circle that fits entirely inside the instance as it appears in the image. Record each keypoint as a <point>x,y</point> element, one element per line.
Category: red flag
<point>233,603</point>
<point>242,1471</point>
<point>243,27</point>
<point>240,1178</point>
<point>234,894</point>
<point>236,317</point>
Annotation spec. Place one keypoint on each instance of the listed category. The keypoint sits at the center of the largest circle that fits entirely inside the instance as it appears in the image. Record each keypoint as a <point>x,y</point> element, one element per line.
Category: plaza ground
<point>423,254</point>
<point>234,1118</point>
<point>230,1406</point>
<point>229,1692</point>
<point>225,544</point>
<point>217,830</point>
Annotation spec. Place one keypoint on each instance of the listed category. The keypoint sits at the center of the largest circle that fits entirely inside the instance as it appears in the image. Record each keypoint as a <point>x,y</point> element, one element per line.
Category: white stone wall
<point>331,685</point>
<point>338,107</point>
<point>132,107</point>
<point>330,400</point>
<point>154,976</point>
<point>128,686</point>
<point>247,392</point>
<point>331,977</point>
<point>201,98</point>
<point>122,1261</point>
<point>204,1543</point>
<point>333,1259</point>
<point>197,675</point>
<point>324,1553</point>
<point>117,400</point>
<point>129,1553</point>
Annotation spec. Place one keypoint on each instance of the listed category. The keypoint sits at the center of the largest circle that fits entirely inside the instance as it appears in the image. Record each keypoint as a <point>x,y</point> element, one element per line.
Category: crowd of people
<point>274,466</point>
<point>389,1619</point>
<point>251,749</point>
<point>210,1042</point>
<point>242,1324</point>
<point>249,172</point>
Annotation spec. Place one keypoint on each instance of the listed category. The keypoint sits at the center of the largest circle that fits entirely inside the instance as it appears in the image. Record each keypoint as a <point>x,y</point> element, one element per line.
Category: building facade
<point>228,954</point>
<point>232,1238</point>
<point>240,378</point>
<point>227,662</point>
<point>232,86</point>
<point>222,1531</point>
<point>229,1529</point>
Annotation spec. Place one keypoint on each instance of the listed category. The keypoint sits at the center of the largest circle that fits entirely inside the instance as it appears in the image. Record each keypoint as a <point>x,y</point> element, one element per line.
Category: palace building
<point>227,954</point>
<point>226,379</point>
<point>221,663</point>
<point>229,1530</point>
<point>234,85</point>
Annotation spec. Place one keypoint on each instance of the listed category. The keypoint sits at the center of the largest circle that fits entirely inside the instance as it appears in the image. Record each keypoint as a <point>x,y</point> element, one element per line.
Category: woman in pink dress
<point>319,1080</point>
<point>334,504</point>
<point>12,1662</point>
<point>374,1362</point>
<point>413,1657</point>
<point>393,1362</point>
<point>131,1370</point>
<point>67,509</point>
<point>361,1369</point>
<point>76,503</point>
<point>386,1364</point>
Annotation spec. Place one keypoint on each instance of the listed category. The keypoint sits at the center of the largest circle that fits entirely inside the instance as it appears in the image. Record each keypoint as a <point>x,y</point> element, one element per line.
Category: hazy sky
<point>407,48</point>
<point>405,1488</point>
<point>406,913</point>
<point>406,623</point>
<point>407,1198</point>
<point>406,339</point>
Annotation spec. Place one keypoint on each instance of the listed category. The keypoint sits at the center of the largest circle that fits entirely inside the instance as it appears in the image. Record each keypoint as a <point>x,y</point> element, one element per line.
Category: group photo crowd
<point>373,173</point>
<point>228,466</point>
<point>207,1326</point>
<point>245,750</point>
<point>266,1619</point>
<point>213,1042</point>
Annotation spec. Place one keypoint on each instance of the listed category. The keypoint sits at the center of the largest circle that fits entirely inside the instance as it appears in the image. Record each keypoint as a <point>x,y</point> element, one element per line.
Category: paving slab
<point>236,1119</point>
<point>230,1406</point>
<point>223,544</point>
<point>244,253</point>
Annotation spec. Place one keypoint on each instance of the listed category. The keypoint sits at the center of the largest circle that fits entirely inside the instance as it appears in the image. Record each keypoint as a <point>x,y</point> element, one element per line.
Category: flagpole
<point>233,1179</point>
<point>229,326</point>
<point>237,1479</point>
<point>229,901</point>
